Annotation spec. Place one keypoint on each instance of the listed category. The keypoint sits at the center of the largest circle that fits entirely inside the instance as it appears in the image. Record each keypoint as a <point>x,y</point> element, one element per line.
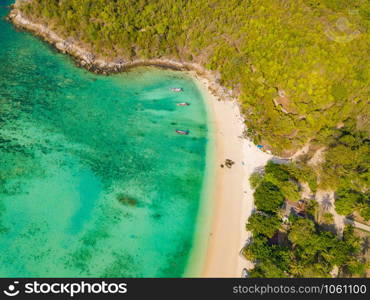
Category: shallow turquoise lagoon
<point>94,181</point>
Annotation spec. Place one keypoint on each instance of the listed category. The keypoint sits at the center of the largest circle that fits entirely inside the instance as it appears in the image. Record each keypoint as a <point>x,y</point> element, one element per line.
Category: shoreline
<point>227,199</point>
<point>91,62</point>
<point>230,196</point>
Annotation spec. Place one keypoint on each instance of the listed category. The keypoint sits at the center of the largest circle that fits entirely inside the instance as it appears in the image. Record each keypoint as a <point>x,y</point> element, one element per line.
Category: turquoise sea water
<point>93,179</point>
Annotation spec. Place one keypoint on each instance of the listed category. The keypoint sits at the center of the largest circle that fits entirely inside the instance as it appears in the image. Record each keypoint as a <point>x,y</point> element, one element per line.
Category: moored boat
<point>183,132</point>
<point>183,104</point>
<point>176,89</point>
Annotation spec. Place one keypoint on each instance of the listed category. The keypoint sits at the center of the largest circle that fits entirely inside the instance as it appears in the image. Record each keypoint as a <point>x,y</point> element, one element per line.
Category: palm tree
<point>297,269</point>
<point>326,203</point>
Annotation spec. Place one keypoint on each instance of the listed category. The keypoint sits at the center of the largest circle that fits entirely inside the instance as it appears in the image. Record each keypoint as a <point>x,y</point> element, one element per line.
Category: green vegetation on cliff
<point>346,169</point>
<point>313,52</point>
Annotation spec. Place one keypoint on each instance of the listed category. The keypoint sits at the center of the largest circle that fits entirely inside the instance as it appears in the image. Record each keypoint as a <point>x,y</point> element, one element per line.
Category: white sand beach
<point>230,194</point>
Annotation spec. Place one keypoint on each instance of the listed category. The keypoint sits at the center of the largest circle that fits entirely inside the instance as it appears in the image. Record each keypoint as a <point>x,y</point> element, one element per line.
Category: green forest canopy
<point>299,246</point>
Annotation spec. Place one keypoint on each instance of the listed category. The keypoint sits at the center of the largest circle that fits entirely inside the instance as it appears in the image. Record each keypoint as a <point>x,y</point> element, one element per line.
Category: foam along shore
<point>228,196</point>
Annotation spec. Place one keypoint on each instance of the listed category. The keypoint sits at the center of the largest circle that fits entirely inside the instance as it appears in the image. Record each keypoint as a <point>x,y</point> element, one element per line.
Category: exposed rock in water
<point>229,163</point>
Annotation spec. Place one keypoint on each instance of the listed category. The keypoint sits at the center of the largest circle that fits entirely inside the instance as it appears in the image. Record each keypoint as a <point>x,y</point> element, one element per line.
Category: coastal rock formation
<point>229,163</point>
<point>103,65</point>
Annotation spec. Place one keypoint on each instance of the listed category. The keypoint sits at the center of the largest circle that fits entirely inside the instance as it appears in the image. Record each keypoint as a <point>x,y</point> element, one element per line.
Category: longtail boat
<point>176,89</point>
<point>183,132</point>
<point>183,104</point>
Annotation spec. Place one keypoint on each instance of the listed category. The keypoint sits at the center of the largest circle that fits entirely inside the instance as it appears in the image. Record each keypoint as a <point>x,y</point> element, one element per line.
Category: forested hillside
<point>300,67</point>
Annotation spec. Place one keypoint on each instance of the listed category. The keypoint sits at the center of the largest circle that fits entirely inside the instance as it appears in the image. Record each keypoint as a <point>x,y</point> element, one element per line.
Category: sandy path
<point>326,200</point>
